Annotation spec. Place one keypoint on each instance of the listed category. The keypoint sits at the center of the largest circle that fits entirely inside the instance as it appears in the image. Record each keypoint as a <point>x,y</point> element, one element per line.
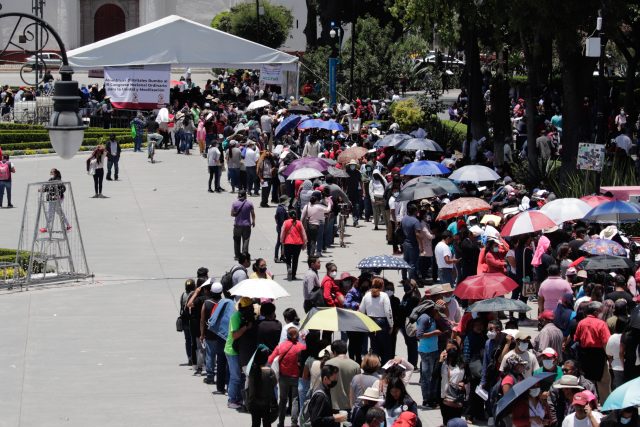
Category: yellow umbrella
<point>338,319</point>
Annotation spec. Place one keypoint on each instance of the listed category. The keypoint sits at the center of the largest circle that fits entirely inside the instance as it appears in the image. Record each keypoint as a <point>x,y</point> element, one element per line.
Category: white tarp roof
<point>178,41</point>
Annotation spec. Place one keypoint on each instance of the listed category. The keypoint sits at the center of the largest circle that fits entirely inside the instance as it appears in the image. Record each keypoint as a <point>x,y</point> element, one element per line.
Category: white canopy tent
<point>178,41</point>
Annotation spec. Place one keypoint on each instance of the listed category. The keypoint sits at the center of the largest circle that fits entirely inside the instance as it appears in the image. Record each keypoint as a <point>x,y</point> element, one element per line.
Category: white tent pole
<point>297,80</point>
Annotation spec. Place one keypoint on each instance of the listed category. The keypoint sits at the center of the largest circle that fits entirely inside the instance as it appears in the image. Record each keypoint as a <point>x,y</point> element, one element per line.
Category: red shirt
<point>288,359</point>
<point>331,292</point>
<point>592,333</point>
<point>293,234</point>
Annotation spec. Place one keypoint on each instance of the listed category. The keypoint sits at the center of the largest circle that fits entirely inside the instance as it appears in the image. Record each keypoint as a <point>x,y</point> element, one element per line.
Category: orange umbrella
<point>462,206</point>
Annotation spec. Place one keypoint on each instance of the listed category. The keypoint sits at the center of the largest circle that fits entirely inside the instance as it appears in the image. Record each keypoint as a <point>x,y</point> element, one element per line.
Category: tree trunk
<point>629,87</point>
<point>311,29</point>
<point>530,98</point>
<point>500,111</point>
<point>477,118</point>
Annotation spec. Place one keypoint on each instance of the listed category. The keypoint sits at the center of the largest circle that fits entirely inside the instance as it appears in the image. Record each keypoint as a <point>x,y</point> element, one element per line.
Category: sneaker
<point>43,230</point>
<point>108,178</point>
<point>9,205</point>
<point>232,405</point>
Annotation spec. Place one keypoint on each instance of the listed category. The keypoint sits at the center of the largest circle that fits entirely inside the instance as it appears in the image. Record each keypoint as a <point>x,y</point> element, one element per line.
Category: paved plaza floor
<point>105,352</point>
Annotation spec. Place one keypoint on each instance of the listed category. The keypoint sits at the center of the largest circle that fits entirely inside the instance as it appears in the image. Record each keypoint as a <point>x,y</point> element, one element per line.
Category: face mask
<point>548,364</point>
<point>333,274</point>
<point>495,249</point>
<point>262,269</point>
<point>492,335</point>
<point>534,392</point>
<point>447,299</point>
<point>333,383</point>
<point>396,193</point>
<point>389,292</point>
<point>352,167</point>
<point>523,346</point>
<point>624,420</point>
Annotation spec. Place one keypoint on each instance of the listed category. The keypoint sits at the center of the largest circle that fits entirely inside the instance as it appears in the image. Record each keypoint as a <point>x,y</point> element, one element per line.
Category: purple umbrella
<point>603,247</point>
<point>306,162</point>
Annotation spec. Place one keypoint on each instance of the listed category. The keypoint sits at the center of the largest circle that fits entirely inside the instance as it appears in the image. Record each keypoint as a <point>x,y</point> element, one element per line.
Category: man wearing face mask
<point>549,364</point>
<point>549,336</point>
<point>320,407</point>
<point>354,189</point>
<point>523,342</point>
<point>377,305</point>
<point>623,417</point>
<point>585,415</point>
<point>287,353</point>
<point>493,347</point>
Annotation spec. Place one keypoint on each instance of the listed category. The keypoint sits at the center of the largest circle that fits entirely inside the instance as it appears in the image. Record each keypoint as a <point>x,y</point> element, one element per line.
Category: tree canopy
<point>273,28</point>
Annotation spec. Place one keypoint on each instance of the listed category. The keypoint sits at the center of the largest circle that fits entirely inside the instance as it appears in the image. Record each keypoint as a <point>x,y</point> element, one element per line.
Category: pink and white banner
<point>143,87</point>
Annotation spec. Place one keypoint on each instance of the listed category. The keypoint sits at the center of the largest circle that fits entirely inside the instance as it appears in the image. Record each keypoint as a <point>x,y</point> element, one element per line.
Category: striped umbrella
<point>527,222</point>
<point>594,201</point>
<point>338,319</point>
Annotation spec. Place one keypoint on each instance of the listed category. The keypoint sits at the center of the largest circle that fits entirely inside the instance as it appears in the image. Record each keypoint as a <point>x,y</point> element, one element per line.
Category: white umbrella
<point>474,173</point>
<point>259,288</point>
<point>561,210</point>
<point>304,173</point>
<point>260,103</point>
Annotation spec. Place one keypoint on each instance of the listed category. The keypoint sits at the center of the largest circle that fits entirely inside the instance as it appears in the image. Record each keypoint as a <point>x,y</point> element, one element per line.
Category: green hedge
<point>35,145</point>
<point>9,255</point>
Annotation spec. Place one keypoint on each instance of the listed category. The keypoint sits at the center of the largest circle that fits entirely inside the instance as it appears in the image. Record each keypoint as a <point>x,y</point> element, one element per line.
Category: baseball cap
<point>216,288</point>
<point>549,352</point>
<point>580,399</point>
<point>245,302</point>
<point>546,315</point>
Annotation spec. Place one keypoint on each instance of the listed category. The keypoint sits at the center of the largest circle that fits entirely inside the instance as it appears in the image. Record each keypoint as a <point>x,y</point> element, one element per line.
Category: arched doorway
<point>109,20</point>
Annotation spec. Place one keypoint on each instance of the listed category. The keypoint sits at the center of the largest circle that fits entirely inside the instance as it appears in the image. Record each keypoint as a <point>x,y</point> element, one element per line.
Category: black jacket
<point>110,154</point>
<point>320,408</point>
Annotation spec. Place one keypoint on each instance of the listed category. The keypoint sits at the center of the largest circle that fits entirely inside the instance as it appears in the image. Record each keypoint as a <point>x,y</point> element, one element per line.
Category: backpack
<point>305,416</point>
<point>227,280</point>
<point>410,326</point>
<point>5,171</point>
<point>316,296</point>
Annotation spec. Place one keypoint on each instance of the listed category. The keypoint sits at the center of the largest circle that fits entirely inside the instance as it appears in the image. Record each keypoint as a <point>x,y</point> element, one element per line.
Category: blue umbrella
<point>383,262</point>
<point>615,211</point>
<point>320,124</point>
<point>424,167</point>
<point>518,390</point>
<point>287,124</point>
<point>374,125</point>
<point>625,396</point>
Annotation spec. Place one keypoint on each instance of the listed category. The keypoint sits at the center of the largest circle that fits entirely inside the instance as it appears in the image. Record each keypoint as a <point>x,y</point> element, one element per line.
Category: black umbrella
<point>445,183</point>
<point>606,262</point>
<point>518,390</point>
<point>383,262</point>
<point>391,140</point>
<point>299,109</point>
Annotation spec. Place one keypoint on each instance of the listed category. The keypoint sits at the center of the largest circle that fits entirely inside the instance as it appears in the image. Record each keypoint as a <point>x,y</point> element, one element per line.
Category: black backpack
<point>227,280</point>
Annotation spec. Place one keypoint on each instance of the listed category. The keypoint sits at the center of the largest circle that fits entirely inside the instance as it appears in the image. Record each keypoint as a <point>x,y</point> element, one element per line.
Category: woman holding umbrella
<point>494,257</point>
<point>514,367</point>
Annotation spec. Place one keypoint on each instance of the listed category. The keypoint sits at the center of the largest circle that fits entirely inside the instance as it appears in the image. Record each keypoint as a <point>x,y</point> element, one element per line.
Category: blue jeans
<point>187,141</point>
<point>137,142</point>
<point>234,177</point>
<point>252,180</point>
<point>216,362</point>
<point>410,253</point>
<point>235,379</point>
<point>113,163</point>
<point>303,389</point>
<point>179,136</point>
<point>427,363</point>
<point>5,185</point>
<point>445,275</point>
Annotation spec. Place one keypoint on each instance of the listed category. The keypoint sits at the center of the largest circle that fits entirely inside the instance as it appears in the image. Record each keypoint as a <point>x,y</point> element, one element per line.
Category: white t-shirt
<point>571,420</point>
<point>213,156</point>
<point>250,157</point>
<point>441,251</point>
<point>613,350</point>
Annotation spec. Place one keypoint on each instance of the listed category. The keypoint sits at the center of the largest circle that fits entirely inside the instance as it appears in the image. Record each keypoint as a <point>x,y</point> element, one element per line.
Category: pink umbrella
<point>594,201</point>
<point>527,222</point>
<point>306,162</point>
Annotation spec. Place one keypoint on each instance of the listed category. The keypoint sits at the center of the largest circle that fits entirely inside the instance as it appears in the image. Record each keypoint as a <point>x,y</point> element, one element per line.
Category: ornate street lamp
<point>66,129</point>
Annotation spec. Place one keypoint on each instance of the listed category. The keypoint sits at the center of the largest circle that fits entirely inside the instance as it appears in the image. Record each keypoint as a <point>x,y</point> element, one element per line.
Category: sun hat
<point>568,381</point>
<point>372,394</point>
<point>522,335</point>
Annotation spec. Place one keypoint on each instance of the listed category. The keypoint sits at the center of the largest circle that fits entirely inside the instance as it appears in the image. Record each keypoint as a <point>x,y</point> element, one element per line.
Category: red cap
<point>461,223</point>
<point>546,315</point>
<point>579,399</point>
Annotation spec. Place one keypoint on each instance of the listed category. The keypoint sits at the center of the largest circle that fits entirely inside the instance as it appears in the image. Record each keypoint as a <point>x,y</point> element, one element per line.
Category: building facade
<point>80,22</point>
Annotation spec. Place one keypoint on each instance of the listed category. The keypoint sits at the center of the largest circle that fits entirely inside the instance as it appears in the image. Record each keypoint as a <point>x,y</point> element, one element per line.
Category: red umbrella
<point>174,83</point>
<point>527,222</point>
<point>485,286</point>
<point>594,201</point>
<point>462,206</point>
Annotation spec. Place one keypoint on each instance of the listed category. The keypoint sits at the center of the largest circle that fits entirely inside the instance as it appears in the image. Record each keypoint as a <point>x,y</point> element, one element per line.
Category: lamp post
<point>334,60</point>
<point>353,46</point>
<point>601,121</point>
<point>66,129</point>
